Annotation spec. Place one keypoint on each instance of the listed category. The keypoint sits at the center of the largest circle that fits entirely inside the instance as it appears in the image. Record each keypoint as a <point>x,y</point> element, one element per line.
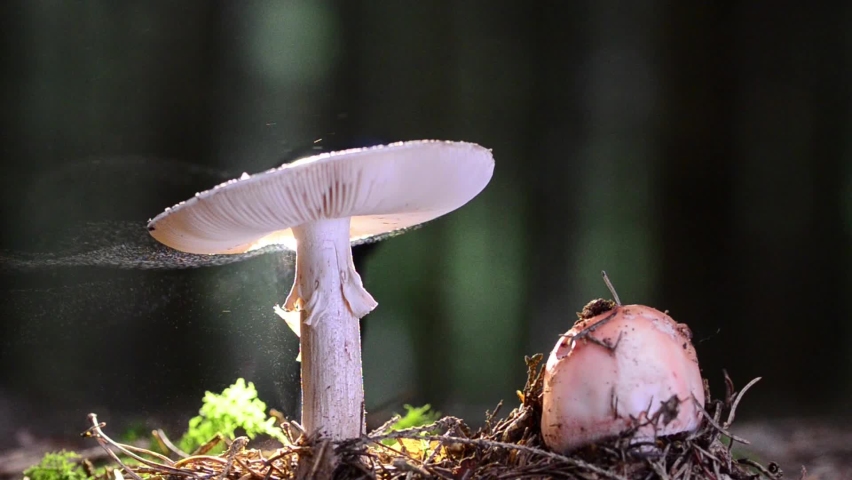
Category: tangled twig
<point>510,447</point>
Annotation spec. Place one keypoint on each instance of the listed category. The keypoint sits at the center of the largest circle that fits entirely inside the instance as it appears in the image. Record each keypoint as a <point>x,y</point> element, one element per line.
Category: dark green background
<point>698,153</point>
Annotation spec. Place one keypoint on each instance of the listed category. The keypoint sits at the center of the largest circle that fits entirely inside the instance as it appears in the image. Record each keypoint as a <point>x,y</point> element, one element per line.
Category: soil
<point>822,446</point>
<point>507,447</point>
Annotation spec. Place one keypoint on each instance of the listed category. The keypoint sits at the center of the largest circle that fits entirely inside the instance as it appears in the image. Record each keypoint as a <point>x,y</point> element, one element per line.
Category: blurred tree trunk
<point>67,68</point>
<point>754,143</point>
<point>590,205</point>
<point>486,244</point>
<point>557,132</point>
<point>792,121</point>
<point>844,262</point>
<point>279,64</point>
<point>399,82</point>
<point>451,72</point>
<point>828,231</point>
<point>697,166</point>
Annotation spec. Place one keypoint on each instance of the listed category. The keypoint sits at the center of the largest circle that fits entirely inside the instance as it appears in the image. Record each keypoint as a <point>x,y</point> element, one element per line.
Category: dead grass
<point>507,448</point>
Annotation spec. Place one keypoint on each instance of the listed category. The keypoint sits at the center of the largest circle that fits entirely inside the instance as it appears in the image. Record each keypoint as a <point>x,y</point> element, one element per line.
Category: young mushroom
<point>620,369</point>
<point>319,206</point>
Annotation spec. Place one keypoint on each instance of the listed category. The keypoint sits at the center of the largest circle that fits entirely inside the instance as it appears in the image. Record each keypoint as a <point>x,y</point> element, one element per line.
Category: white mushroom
<point>618,369</point>
<point>319,205</point>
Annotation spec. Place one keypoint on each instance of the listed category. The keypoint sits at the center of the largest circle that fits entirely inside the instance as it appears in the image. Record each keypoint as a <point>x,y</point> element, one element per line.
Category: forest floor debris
<point>506,448</point>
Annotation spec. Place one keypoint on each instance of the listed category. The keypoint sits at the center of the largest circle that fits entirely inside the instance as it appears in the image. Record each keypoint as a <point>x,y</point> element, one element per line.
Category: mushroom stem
<point>329,293</point>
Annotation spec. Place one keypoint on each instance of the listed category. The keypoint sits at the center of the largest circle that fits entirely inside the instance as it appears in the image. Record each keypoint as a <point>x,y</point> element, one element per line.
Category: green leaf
<point>236,407</point>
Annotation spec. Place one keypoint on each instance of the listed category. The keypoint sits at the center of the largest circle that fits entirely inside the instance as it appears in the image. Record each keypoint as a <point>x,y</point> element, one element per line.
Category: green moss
<point>61,465</point>
<point>414,417</point>
<point>236,407</point>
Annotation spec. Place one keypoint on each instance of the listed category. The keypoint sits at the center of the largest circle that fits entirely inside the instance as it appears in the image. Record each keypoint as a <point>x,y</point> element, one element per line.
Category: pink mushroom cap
<point>628,367</point>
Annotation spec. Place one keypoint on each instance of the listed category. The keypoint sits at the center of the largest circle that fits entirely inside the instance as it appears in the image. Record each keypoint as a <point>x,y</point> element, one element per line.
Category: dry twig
<point>504,449</point>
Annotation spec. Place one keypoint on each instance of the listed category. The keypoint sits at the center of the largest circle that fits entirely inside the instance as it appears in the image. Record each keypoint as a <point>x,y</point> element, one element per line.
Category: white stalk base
<point>331,298</point>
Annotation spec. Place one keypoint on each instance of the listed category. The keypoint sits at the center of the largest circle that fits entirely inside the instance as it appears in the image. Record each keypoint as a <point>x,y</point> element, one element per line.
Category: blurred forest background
<point>698,151</point>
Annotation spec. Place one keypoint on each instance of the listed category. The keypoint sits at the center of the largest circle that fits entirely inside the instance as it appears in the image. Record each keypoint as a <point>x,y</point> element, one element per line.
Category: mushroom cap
<point>382,189</point>
<point>593,393</point>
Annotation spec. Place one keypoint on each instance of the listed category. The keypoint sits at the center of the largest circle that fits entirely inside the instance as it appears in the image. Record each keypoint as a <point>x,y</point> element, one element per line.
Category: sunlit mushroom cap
<point>383,189</point>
